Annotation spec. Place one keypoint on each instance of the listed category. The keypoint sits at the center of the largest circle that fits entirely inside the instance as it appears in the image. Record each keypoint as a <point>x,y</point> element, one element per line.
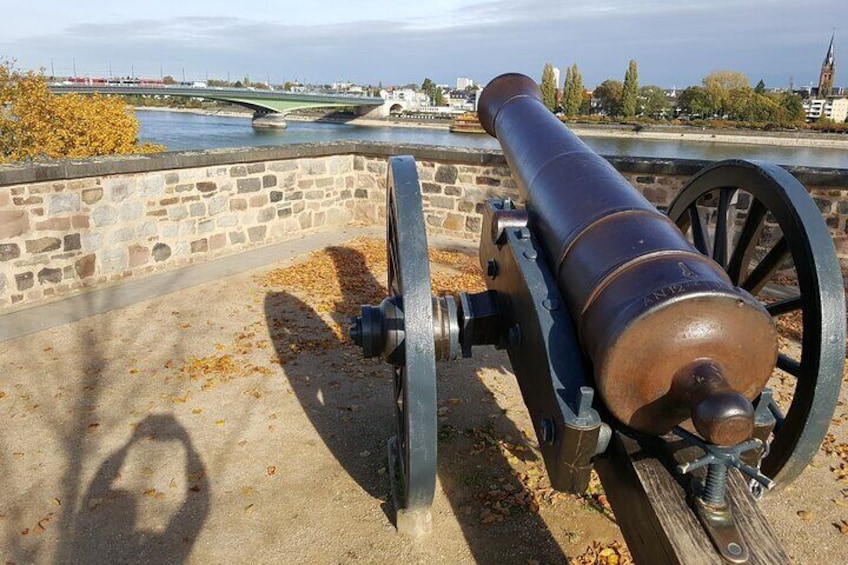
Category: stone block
<point>62,203</point>
<point>487,181</point>
<point>84,266</point>
<point>146,229</point>
<point>238,171</point>
<point>314,194</point>
<point>453,191</point>
<point>3,283</point>
<point>446,174</point>
<point>258,200</point>
<point>227,221</point>
<point>473,224</point>
<point>185,187</point>
<point>249,185</point>
<point>169,201</point>
<point>13,223</point>
<point>161,252</point>
<point>130,211</point>
<point>266,214</point>
<point>9,251</point>
<point>28,201</point>
<point>217,204</point>
<point>177,213</point>
<point>49,275</point>
<point>326,182</point>
<point>217,241</point>
<point>43,244</point>
<point>54,224</point>
<point>454,222</point>
<point>282,166</point>
<point>207,186</point>
<point>269,181</point>
<point>113,260</point>
<point>443,202</point>
<point>298,207</point>
<point>305,220</point>
<point>237,237</point>
<point>152,184</point>
<point>825,205</point>
<point>430,188</point>
<point>91,241</point>
<point>24,281</point>
<point>205,226</point>
<point>360,193</point>
<point>314,166</point>
<point>80,222</point>
<point>172,178</point>
<point>284,213</point>
<point>238,204</point>
<point>104,216</point>
<point>296,195</point>
<point>71,242</point>
<point>257,233</point>
<point>254,168</point>
<point>139,255</point>
<point>200,245</point>
<point>304,184</point>
<point>123,234</point>
<point>276,196</point>
<point>197,209</point>
<point>119,190</point>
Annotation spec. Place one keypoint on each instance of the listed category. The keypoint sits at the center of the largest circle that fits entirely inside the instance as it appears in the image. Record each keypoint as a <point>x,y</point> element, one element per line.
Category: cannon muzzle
<point>669,336</point>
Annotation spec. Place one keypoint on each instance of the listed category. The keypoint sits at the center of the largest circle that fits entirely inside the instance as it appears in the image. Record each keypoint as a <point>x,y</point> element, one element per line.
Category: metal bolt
<point>715,485</point>
<point>514,336</point>
<point>734,549</point>
<point>491,268</point>
<point>548,430</point>
<point>531,254</point>
<point>522,233</point>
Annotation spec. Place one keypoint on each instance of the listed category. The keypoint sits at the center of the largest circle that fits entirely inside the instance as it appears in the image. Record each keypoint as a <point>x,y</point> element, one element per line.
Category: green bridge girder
<point>262,101</point>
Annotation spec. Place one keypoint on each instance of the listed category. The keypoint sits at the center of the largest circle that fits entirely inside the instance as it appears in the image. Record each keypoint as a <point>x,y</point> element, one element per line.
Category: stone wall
<point>75,224</point>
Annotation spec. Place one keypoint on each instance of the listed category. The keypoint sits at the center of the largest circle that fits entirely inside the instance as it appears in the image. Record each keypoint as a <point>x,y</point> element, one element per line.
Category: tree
<point>793,108</point>
<point>630,91</point>
<point>168,79</point>
<point>37,124</point>
<point>433,92</point>
<point>572,92</point>
<point>760,88</point>
<point>653,101</point>
<point>718,85</point>
<point>549,87</point>
<point>694,101</point>
<point>608,95</point>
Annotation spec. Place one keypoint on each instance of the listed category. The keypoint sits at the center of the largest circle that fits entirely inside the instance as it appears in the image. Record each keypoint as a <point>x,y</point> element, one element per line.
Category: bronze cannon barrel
<point>669,337</point>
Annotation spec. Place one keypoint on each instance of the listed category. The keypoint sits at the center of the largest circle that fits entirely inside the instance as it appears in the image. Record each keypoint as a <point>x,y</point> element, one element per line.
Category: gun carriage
<point>628,329</point>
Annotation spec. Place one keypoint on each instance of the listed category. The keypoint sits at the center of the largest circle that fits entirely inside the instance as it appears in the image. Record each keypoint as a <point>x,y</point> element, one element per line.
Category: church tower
<point>827,71</point>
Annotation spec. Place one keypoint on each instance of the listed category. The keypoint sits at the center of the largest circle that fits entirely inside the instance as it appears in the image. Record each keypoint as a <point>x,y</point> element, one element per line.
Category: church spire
<point>827,71</point>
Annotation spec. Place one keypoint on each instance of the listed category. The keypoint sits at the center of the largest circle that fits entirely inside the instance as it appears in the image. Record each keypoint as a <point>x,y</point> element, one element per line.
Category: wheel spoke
<point>700,237</point>
<point>779,416</point>
<point>748,237</point>
<point>785,306</point>
<point>789,365</point>
<point>767,267</point>
<point>720,242</point>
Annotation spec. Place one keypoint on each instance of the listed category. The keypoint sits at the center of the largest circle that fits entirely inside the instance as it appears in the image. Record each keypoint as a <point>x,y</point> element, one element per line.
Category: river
<point>180,131</point>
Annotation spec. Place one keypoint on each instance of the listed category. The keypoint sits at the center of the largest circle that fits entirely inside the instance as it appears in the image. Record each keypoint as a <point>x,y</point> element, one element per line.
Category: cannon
<point>628,329</point>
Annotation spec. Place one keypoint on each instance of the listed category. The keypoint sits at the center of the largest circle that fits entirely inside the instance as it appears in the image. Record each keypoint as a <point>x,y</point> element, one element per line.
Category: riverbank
<point>799,139</point>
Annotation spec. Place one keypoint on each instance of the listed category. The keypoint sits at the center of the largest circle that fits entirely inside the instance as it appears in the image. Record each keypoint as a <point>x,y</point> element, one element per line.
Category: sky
<point>396,42</point>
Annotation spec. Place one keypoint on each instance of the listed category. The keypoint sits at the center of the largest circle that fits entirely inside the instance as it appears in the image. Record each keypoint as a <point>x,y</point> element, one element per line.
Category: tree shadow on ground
<point>350,406</point>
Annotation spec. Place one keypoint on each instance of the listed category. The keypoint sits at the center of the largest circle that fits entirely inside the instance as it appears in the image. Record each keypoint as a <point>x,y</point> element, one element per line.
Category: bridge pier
<point>268,119</point>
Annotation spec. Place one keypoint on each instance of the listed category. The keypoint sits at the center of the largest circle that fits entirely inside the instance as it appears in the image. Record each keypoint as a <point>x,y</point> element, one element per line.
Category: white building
<point>835,109</point>
<point>464,82</point>
<point>556,77</point>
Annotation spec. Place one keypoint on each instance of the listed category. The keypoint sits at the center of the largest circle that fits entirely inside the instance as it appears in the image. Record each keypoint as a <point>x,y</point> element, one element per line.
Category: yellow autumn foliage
<point>36,124</point>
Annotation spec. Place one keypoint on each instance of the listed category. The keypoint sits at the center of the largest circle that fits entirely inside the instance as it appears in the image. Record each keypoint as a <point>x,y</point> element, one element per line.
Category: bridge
<point>262,102</point>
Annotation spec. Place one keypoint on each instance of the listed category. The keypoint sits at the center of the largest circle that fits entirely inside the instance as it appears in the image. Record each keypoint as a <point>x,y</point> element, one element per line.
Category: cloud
<point>674,42</point>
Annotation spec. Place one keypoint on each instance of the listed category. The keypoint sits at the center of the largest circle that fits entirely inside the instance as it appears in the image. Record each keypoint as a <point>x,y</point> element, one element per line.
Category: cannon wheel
<point>749,198</point>
<point>412,453</point>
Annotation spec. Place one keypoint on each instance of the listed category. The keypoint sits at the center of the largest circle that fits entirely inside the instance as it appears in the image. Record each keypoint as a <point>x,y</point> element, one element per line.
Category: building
<point>832,108</point>
<point>556,77</point>
<point>464,82</point>
<point>828,70</point>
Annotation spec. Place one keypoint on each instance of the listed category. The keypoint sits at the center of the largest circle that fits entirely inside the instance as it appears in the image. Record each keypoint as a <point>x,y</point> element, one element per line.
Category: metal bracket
<point>539,336</point>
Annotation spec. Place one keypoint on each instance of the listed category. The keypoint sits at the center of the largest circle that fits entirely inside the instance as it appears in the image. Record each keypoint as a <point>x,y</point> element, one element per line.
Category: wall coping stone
<point>67,169</point>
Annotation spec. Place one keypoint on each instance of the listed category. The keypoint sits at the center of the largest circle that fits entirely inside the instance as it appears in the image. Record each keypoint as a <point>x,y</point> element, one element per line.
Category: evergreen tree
<point>572,92</point>
<point>760,88</point>
<point>549,87</point>
<point>630,94</point>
